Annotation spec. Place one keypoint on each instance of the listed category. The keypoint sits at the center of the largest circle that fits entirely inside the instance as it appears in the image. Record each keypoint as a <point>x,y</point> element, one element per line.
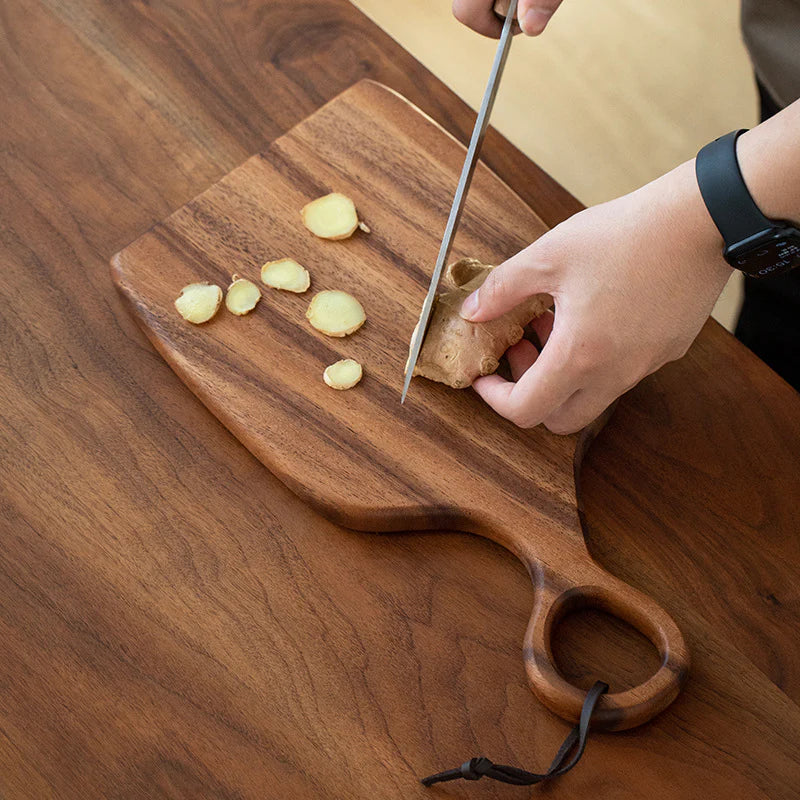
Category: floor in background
<point>611,96</point>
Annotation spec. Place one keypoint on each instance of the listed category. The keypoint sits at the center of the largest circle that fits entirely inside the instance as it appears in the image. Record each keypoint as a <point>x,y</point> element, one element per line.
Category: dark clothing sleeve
<point>769,322</point>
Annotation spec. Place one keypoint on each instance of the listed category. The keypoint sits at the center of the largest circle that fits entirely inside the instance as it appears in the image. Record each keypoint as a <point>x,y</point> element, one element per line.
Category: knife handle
<point>556,596</point>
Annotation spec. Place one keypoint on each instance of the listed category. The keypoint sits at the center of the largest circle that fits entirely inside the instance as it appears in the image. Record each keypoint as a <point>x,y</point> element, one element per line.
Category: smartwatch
<point>754,244</point>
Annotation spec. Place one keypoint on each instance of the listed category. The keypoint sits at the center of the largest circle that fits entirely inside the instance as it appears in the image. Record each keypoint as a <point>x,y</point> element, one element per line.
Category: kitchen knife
<point>481,123</point>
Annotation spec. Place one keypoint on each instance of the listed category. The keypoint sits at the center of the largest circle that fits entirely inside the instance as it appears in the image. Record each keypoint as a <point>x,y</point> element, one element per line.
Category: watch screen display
<point>777,252</point>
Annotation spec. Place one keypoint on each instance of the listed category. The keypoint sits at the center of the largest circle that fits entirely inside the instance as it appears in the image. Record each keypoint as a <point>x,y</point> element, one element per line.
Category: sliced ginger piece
<point>331,217</point>
<point>242,296</point>
<point>456,352</point>
<point>198,302</point>
<point>335,313</point>
<point>344,374</point>
<point>286,274</point>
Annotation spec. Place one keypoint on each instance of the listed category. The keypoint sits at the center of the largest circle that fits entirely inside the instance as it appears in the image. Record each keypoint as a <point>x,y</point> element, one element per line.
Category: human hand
<point>633,281</point>
<point>485,16</point>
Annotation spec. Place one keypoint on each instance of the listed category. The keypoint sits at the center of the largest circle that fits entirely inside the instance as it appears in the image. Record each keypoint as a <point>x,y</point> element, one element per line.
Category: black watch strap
<point>725,193</point>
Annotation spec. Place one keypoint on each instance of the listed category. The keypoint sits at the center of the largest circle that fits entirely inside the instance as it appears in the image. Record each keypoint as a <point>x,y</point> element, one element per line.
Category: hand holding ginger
<point>633,281</point>
<point>456,352</point>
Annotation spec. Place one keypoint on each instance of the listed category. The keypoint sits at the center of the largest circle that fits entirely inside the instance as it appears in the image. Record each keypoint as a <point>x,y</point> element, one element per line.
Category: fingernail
<point>535,20</point>
<point>470,306</point>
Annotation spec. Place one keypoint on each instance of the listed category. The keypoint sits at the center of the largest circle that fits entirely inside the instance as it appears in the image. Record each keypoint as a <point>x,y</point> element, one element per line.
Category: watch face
<point>770,253</point>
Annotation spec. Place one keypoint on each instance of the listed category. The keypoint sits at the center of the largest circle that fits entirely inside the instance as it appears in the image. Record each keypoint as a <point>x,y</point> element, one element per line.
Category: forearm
<point>769,157</point>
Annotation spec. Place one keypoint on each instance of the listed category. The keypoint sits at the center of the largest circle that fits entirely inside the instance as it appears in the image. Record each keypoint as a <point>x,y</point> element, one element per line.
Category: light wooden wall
<point>615,92</point>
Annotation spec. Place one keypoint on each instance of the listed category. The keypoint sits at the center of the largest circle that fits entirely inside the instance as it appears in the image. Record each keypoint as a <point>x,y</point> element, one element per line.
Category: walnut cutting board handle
<point>556,596</point>
<point>566,578</point>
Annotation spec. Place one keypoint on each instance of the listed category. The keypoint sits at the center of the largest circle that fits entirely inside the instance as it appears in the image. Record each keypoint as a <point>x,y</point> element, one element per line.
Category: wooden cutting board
<point>443,460</point>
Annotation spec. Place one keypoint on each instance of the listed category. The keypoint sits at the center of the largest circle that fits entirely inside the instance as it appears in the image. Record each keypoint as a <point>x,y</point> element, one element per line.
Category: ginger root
<point>344,374</point>
<point>286,274</point>
<point>242,296</point>
<point>330,217</point>
<point>335,313</point>
<point>198,302</point>
<point>456,352</point>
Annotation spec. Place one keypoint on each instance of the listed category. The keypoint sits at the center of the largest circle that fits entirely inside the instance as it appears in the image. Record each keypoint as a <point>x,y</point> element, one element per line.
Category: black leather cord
<point>480,767</point>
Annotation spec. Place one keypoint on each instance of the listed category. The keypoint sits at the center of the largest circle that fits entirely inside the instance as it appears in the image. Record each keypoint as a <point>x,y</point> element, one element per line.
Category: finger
<point>501,11</point>
<point>543,327</point>
<point>521,357</point>
<point>535,14</point>
<point>583,408</point>
<point>586,405</point>
<point>496,393</point>
<point>478,15</point>
<point>544,387</point>
<point>507,286</point>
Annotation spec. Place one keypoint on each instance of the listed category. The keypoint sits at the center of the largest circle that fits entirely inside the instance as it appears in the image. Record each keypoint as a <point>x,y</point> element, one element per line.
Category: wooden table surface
<point>174,623</point>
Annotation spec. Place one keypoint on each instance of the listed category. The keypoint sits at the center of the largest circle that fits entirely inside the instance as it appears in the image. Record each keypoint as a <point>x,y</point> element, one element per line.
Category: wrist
<point>760,238</point>
<point>690,222</point>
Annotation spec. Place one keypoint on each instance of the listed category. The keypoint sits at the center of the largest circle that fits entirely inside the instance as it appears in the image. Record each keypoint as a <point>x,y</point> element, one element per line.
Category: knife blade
<point>478,132</point>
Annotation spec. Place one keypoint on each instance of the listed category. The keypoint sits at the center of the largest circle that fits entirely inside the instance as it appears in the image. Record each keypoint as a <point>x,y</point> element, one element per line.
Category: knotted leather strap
<point>480,767</point>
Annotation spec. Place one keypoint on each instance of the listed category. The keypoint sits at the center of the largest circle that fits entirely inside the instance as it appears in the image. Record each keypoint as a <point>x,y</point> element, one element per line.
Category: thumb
<point>534,15</point>
<point>506,286</point>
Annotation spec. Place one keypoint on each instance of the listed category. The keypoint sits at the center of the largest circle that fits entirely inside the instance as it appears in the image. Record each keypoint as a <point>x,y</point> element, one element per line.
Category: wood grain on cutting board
<point>442,460</point>
<point>177,624</point>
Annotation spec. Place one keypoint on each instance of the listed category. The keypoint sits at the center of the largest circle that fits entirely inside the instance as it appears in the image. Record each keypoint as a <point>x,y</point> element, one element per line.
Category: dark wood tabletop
<point>175,623</point>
